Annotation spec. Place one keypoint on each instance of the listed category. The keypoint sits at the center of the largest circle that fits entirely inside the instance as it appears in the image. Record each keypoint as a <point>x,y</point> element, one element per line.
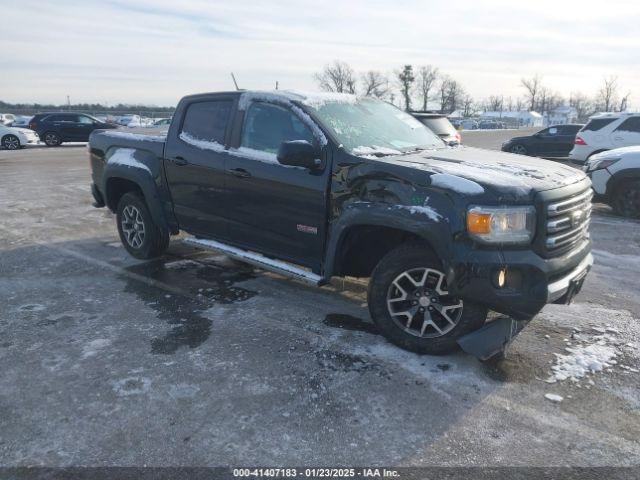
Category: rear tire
<point>52,139</point>
<point>430,320</point>
<point>519,150</point>
<point>11,142</point>
<point>626,199</point>
<point>139,234</point>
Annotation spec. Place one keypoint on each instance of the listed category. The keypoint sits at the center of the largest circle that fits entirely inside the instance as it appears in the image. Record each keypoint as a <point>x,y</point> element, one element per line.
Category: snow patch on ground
<point>93,347</point>
<point>553,397</point>
<point>601,336</point>
<point>582,360</point>
<point>455,183</point>
<point>126,157</point>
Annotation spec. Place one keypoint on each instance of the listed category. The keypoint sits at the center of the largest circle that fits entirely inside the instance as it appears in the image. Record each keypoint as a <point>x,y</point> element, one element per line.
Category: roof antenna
<point>276,85</point>
<point>234,81</point>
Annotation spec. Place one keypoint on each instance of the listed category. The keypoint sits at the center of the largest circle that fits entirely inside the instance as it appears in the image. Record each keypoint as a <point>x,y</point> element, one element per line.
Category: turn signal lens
<point>478,223</point>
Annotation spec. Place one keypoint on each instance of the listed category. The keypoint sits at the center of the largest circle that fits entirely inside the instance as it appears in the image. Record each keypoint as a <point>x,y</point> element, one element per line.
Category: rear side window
<point>569,129</point>
<point>207,120</point>
<point>60,118</point>
<point>597,124</point>
<point>630,125</point>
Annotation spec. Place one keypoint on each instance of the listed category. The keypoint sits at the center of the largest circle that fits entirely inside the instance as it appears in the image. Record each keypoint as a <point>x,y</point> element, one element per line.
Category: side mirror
<point>299,153</point>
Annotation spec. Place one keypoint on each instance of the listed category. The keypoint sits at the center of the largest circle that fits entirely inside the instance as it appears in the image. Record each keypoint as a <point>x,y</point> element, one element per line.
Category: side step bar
<point>258,260</point>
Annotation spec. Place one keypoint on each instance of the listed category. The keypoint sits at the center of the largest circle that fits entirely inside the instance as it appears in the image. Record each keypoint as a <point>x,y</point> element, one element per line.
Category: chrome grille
<point>567,222</point>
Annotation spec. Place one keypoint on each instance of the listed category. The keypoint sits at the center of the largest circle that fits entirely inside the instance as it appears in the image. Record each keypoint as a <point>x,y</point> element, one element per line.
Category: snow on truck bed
<point>152,136</point>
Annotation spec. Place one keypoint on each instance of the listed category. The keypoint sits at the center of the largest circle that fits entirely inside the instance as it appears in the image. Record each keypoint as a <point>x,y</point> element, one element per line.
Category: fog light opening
<point>501,277</point>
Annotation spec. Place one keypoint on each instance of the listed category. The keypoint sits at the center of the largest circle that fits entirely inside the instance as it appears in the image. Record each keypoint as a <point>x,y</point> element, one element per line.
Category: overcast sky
<point>153,51</point>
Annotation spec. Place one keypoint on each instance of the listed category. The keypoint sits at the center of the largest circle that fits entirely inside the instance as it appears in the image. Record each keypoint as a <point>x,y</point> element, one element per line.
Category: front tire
<point>11,142</point>
<point>52,139</point>
<point>626,199</point>
<point>139,234</point>
<point>409,301</point>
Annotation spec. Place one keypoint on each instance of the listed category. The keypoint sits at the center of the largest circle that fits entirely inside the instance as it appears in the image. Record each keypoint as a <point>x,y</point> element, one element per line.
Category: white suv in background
<point>615,178</point>
<point>606,131</point>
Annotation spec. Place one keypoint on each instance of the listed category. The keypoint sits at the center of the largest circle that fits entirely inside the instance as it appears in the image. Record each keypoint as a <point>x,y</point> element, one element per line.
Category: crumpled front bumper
<point>531,281</point>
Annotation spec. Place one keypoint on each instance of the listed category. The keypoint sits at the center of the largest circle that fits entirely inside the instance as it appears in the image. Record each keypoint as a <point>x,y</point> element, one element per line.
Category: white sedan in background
<point>14,138</point>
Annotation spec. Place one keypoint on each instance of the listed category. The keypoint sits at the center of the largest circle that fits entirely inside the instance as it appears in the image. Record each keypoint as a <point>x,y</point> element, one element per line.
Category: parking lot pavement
<point>493,139</point>
<point>196,360</point>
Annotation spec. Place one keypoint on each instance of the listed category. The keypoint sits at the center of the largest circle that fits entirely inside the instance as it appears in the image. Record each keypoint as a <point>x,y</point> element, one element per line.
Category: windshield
<point>368,126</point>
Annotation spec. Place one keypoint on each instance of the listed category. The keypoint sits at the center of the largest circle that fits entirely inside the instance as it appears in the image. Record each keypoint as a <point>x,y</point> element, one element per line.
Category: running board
<point>258,260</point>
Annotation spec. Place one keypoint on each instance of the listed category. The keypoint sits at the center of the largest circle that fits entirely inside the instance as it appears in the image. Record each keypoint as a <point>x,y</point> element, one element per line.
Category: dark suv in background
<point>55,128</point>
<point>555,141</point>
<point>439,124</point>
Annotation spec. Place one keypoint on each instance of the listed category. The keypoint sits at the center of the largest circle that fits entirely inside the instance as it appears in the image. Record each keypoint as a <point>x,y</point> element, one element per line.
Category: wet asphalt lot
<point>196,360</point>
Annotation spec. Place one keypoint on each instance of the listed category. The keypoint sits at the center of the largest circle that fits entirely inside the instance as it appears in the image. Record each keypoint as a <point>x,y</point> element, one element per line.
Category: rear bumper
<point>531,281</point>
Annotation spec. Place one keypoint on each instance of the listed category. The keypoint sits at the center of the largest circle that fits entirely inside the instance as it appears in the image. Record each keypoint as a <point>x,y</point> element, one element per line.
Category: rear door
<point>276,209</point>
<point>566,139</point>
<point>550,141</point>
<point>195,159</point>
<point>627,133</point>
<point>84,127</point>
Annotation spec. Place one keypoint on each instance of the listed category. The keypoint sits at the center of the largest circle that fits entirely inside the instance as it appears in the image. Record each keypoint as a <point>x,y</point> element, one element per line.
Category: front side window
<point>267,126</point>
<point>207,120</point>
<point>630,125</point>
<point>86,120</point>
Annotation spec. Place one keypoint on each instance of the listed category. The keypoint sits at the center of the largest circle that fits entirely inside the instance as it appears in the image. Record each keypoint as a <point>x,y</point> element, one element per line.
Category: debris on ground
<point>553,397</point>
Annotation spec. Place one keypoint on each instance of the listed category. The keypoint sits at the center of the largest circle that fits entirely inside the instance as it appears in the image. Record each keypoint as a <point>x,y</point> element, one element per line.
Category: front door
<point>195,167</point>
<point>272,208</point>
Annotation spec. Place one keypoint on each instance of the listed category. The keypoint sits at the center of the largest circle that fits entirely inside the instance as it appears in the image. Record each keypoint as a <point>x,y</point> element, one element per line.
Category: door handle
<point>239,172</point>
<point>617,138</point>
<point>179,160</point>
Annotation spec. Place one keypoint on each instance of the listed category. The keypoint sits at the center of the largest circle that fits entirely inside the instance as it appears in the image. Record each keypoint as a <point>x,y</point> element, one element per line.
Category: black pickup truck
<point>320,185</point>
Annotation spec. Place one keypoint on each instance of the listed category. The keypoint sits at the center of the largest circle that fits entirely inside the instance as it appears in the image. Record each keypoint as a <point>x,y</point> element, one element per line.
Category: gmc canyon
<point>320,185</point>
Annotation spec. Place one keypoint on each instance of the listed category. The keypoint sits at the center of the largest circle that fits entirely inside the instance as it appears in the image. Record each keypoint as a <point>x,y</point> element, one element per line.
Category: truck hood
<point>502,173</point>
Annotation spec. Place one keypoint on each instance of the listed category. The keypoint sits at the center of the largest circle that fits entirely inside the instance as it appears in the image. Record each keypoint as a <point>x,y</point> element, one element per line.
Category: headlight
<point>501,224</point>
<point>599,164</point>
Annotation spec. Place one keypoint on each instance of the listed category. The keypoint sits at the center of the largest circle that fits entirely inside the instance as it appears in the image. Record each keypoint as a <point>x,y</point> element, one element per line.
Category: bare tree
<point>443,92</point>
<point>406,79</point>
<point>624,102</point>
<point>375,84</point>
<point>509,104</point>
<point>468,106</point>
<point>583,105</point>
<point>337,77</point>
<point>496,103</point>
<point>455,93</point>
<point>427,76</point>
<point>519,104</point>
<point>607,95</point>
<point>533,86</point>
